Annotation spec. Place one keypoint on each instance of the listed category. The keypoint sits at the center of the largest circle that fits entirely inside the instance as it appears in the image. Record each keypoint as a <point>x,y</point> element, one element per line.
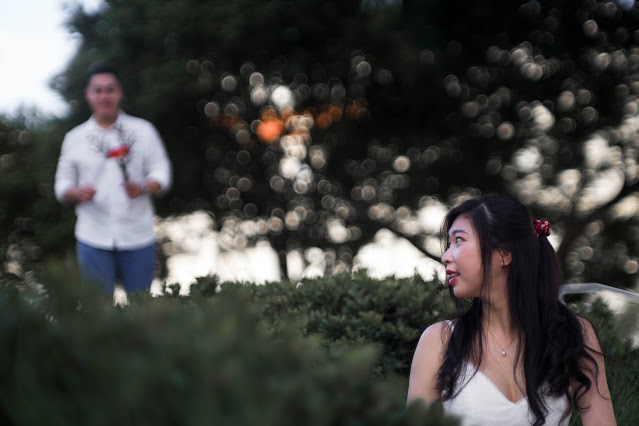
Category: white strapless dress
<point>481,403</point>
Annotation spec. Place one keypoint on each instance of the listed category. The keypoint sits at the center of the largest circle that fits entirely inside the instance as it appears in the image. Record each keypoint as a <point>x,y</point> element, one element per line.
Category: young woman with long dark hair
<point>514,355</point>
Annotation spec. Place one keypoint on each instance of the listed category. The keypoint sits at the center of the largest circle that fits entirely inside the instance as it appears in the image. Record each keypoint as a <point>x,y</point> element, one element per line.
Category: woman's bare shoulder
<point>588,331</point>
<point>427,359</point>
<point>436,335</point>
<point>596,401</point>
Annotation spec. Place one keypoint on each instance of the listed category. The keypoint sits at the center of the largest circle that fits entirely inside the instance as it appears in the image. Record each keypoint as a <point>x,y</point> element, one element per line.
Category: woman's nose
<point>446,258</point>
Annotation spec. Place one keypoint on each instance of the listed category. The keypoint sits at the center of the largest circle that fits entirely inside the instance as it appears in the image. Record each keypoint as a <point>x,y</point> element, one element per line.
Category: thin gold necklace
<point>503,351</point>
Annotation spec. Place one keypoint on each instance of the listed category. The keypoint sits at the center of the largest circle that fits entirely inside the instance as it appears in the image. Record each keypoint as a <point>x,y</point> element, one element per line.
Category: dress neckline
<point>477,370</point>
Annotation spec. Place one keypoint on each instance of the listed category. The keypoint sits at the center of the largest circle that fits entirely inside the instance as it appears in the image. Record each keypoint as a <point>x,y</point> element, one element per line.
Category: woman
<point>514,355</point>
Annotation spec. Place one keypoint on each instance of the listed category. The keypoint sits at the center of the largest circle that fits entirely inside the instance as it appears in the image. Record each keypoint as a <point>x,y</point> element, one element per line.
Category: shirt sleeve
<point>159,165</point>
<point>66,175</point>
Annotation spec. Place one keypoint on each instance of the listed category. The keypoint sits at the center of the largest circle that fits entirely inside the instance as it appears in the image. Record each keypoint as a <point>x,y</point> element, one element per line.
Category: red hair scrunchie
<point>542,227</point>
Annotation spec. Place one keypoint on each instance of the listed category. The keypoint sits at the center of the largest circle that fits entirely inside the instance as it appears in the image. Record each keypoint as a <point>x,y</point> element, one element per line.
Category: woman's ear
<point>506,257</point>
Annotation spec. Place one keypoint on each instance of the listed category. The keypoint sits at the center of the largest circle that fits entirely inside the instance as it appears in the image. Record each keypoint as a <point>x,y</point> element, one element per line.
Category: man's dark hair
<point>102,68</point>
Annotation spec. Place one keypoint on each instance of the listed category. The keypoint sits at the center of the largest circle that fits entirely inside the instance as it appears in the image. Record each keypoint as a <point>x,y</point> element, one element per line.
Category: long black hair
<point>551,341</point>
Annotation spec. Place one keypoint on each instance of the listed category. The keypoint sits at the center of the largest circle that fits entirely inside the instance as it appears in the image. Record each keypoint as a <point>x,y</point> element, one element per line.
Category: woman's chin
<point>460,293</point>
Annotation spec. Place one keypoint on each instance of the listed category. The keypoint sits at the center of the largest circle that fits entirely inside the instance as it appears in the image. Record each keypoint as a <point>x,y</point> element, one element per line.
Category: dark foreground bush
<point>190,361</point>
<point>331,351</point>
<point>391,314</point>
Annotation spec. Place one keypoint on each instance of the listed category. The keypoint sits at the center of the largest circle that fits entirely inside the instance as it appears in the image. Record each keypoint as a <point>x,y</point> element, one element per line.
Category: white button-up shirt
<point>112,219</point>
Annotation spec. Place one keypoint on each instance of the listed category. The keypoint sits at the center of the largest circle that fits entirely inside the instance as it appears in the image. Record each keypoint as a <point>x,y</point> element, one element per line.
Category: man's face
<point>104,95</point>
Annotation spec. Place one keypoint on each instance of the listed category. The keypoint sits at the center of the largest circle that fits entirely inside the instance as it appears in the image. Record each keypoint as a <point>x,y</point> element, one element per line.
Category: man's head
<point>104,93</point>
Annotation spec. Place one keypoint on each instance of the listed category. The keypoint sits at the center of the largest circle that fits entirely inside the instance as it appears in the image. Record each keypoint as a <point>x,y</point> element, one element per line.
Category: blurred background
<point>314,137</point>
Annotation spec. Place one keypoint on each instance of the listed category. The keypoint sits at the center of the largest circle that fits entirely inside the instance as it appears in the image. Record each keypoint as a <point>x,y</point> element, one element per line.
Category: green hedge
<point>66,360</point>
<point>390,313</point>
<point>327,351</point>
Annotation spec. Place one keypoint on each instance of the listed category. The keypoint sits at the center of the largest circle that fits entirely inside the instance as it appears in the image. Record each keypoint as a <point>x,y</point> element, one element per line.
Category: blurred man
<point>109,167</point>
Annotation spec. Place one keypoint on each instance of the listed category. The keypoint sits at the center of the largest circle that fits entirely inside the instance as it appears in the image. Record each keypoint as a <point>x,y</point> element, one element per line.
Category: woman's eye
<point>458,240</point>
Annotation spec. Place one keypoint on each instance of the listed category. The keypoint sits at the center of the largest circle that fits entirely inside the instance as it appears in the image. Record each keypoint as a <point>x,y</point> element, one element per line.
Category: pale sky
<point>34,47</point>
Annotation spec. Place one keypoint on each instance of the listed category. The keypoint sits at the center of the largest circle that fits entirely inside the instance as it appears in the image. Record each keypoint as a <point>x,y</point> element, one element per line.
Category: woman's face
<point>462,259</point>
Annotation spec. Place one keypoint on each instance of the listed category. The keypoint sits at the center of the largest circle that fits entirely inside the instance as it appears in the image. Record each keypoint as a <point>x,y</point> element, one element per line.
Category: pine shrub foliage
<point>325,351</point>
<point>225,360</point>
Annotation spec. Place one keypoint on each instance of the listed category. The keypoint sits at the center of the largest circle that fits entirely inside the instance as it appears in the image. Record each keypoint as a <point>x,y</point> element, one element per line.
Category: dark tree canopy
<point>318,123</point>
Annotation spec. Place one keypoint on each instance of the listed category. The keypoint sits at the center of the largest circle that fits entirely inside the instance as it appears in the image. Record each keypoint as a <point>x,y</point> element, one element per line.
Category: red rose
<point>118,152</point>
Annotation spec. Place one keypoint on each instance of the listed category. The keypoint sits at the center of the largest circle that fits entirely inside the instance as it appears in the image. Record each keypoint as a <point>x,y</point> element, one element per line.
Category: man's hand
<point>134,190</point>
<point>79,194</point>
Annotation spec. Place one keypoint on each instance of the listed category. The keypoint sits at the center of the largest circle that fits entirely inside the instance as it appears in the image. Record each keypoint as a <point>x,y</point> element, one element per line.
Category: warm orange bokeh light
<point>272,126</point>
<point>336,111</point>
<point>227,121</point>
<point>354,108</point>
<point>323,120</point>
<point>311,111</point>
<point>269,131</point>
<point>287,112</point>
<point>269,113</point>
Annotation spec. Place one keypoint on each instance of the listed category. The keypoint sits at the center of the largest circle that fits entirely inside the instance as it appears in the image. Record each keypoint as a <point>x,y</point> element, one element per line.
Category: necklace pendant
<point>503,353</point>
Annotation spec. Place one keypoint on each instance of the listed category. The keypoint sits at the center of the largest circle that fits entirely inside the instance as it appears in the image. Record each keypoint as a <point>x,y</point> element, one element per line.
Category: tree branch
<point>373,225</point>
<point>576,224</point>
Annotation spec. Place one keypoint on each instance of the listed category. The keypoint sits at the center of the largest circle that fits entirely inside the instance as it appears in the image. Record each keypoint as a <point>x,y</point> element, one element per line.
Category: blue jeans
<point>133,268</point>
